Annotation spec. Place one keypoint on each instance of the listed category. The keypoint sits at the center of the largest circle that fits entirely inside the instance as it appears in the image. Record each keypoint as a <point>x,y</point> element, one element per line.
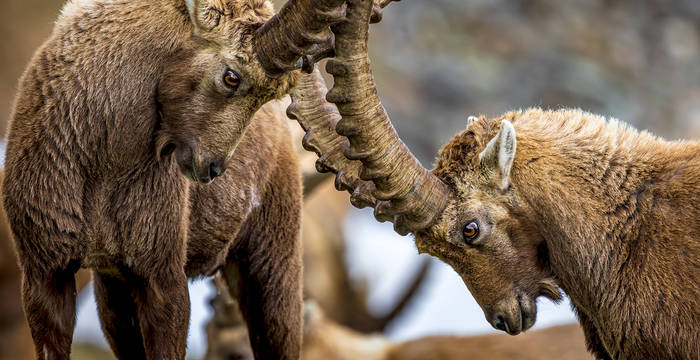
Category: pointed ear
<point>499,154</point>
<point>203,14</point>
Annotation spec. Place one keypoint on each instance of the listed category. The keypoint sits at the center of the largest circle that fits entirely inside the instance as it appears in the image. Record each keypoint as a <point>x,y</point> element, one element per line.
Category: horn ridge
<point>355,138</point>
<point>300,28</point>
<point>410,195</point>
<point>319,118</point>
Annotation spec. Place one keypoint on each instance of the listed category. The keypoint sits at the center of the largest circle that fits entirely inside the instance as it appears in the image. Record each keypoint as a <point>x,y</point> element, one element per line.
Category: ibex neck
<point>608,198</point>
<point>110,66</point>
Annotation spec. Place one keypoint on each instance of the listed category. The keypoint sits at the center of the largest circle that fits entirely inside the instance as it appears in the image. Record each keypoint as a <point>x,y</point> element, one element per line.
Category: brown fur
<point>326,281</point>
<point>90,181</point>
<point>558,342</point>
<point>15,338</point>
<point>325,339</point>
<point>604,212</point>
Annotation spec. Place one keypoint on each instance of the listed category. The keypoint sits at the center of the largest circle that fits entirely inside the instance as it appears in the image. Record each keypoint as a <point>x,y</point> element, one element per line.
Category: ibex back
<point>124,99</point>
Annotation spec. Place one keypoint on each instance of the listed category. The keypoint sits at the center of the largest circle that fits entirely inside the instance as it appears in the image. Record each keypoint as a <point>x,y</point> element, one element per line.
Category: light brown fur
<point>90,182</point>
<point>325,339</point>
<point>604,212</point>
<point>557,342</point>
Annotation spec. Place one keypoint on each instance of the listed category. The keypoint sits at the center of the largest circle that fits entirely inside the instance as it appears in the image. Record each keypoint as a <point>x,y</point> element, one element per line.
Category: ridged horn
<point>411,197</point>
<point>404,191</point>
<point>297,36</point>
<point>377,7</point>
<point>318,118</point>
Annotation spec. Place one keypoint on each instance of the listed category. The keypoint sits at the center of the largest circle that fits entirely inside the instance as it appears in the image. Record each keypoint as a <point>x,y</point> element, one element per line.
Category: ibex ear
<point>499,154</point>
<point>470,120</point>
<point>203,14</point>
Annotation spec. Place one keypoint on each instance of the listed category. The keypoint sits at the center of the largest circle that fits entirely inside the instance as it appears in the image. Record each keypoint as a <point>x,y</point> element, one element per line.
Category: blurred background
<point>436,62</point>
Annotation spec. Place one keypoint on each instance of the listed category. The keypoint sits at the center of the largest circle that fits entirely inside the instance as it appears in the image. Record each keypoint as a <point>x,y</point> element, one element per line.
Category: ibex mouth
<point>528,311</point>
<point>514,315</point>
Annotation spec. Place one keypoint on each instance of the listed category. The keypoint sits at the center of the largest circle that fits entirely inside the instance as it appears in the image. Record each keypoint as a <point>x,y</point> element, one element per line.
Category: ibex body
<point>528,203</point>
<point>567,199</point>
<point>122,101</point>
<point>326,340</point>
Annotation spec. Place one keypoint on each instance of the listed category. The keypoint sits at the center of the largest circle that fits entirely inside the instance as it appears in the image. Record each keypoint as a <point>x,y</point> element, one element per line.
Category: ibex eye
<point>232,79</point>
<point>470,231</point>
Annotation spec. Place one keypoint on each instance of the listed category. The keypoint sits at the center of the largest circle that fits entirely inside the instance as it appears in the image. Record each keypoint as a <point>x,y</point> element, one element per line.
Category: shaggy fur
<point>15,337</point>
<point>122,95</point>
<point>604,212</point>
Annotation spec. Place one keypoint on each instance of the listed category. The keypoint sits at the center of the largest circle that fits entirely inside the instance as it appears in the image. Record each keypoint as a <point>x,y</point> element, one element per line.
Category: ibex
<point>122,118</point>
<point>529,203</point>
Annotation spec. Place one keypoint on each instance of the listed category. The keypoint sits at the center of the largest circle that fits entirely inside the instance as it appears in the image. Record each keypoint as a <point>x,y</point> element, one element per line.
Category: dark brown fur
<point>90,181</point>
<point>326,281</point>
<point>15,337</point>
<point>606,213</point>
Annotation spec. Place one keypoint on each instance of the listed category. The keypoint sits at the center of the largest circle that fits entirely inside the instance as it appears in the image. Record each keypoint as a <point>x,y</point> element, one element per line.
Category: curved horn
<point>298,35</point>
<point>377,7</point>
<point>412,196</point>
<point>375,166</point>
<point>318,118</point>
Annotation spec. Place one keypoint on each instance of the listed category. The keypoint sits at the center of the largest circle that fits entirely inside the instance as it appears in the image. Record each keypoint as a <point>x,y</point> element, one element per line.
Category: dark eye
<point>232,79</point>
<point>470,231</point>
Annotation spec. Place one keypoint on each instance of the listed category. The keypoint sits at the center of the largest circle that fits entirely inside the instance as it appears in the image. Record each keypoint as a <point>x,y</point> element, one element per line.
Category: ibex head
<point>464,211</point>
<point>238,57</point>
<point>485,232</point>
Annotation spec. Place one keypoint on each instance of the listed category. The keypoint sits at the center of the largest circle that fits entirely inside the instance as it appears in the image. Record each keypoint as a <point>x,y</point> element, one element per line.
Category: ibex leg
<point>119,318</point>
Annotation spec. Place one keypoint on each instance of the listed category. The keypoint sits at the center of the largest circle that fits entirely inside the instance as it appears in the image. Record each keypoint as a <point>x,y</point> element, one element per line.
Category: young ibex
<point>528,203</point>
<point>124,99</point>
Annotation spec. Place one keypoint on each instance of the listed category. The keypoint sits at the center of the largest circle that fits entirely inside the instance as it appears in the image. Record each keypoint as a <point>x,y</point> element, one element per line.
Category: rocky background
<point>438,61</point>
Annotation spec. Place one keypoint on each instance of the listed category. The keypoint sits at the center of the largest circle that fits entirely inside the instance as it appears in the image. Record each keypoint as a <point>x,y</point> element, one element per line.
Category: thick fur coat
<point>90,184</point>
<point>607,213</point>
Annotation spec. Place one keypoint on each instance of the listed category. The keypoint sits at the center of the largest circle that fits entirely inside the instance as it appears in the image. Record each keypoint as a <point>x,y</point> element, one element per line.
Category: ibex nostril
<point>215,170</point>
<point>500,323</point>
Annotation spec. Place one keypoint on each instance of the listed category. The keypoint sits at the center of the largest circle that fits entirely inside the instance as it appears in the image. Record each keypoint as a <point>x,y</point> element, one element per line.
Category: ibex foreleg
<point>49,302</point>
<point>118,315</point>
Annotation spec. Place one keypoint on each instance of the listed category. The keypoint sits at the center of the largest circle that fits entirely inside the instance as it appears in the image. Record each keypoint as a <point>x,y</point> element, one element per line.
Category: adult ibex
<point>122,95</point>
<point>528,203</point>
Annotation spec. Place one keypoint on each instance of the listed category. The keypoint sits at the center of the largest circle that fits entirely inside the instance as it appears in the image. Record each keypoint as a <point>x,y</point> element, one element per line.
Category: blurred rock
<point>625,59</point>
